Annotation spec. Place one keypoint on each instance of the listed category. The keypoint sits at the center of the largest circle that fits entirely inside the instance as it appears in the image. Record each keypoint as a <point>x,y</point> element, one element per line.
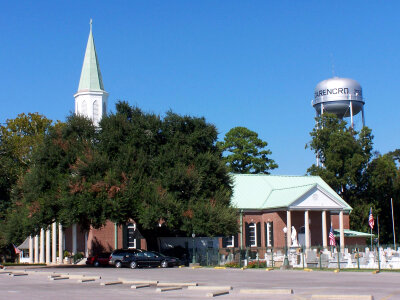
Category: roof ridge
<point>295,186</point>
<point>273,175</point>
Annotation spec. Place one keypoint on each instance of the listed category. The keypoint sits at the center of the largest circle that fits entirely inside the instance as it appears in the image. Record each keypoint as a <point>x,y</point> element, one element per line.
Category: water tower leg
<point>351,115</point>
<point>316,123</point>
<point>362,114</point>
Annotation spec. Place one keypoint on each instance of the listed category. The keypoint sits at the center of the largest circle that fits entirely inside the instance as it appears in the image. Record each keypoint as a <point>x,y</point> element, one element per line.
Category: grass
<point>9,264</point>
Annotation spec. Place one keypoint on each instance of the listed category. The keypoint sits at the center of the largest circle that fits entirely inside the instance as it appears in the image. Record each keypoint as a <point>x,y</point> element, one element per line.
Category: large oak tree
<point>156,171</point>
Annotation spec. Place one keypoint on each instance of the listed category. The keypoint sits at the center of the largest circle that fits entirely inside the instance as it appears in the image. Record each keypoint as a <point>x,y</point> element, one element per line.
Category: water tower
<point>340,96</point>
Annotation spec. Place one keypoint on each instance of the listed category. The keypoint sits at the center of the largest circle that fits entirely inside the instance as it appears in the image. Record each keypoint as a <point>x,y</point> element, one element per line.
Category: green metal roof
<point>351,233</point>
<point>91,79</point>
<point>260,191</point>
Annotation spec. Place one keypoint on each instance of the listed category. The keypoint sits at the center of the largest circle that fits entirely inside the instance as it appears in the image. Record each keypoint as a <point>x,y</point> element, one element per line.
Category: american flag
<point>332,241</point>
<point>371,219</point>
<point>17,251</point>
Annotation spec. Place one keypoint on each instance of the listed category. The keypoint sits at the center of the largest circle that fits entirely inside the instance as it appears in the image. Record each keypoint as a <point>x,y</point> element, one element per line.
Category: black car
<point>142,258</point>
<point>120,255</point>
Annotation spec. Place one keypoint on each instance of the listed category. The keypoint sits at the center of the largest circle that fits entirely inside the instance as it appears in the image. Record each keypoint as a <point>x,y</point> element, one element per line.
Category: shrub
<point>78,256</point>
<point>232,265</point>
<point>256,264</point>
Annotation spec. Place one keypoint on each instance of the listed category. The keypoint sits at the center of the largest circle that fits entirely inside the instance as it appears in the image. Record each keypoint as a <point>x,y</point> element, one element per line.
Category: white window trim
<point>253,225</point>
<point>268,234</point>
<point>134,240</point>
<point>232,242</point>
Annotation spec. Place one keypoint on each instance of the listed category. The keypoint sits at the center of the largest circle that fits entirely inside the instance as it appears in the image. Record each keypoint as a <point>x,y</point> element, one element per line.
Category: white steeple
<point>91,98</point>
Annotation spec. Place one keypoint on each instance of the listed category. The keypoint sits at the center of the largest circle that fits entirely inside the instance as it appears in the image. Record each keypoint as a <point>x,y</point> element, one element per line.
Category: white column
<point>30,249</point>
<point>48,245</point>
<point>41,254</point>
<point>54,243</point>
<point>341,231</point>
<point>60,243</point>
<point>74,239</point>
<point>307,229</point>
<point>324,234</point>
<point>86,245</point>
<point>36,250</point>
<point>289,228</point>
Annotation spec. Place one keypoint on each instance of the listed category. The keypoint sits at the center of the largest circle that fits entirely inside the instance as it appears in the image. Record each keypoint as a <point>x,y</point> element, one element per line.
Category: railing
<point>352,257</point>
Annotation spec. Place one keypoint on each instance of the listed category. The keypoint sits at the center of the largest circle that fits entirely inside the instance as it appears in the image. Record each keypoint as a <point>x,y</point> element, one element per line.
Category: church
<point>302,208</point>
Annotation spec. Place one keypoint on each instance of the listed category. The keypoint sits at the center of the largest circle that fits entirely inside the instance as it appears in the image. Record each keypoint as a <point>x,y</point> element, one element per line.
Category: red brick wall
<point>101,240</point>
<point>335,221</point>
<point>360,241</point>
<point>80,236</point>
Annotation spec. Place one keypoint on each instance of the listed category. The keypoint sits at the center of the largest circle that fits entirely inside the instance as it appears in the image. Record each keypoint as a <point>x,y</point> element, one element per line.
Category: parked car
<point>134,258</point>
<point>179,252</point>
<point>118,256</point>
<point>99,259</point>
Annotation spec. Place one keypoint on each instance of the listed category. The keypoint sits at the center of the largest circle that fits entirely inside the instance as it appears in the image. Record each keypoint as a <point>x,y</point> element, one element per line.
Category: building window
<point>230,241</point>
<point>268,231</point>
<point>253,235</point>
<point>131,236</point>
<point>96,108</point>
<point>84,108</point>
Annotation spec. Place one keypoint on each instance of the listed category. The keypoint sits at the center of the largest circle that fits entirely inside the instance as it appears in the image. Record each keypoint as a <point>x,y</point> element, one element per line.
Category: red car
<point>98,260</point>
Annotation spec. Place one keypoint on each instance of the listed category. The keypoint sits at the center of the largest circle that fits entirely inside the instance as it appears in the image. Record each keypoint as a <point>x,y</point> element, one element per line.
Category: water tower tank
<point>340,96</point>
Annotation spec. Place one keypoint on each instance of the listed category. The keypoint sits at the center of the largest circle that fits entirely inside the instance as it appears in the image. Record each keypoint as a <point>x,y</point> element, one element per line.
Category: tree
<point>137,166</point>
<point>360,177</point>
<point>383,184</point>
<point>343,153</point>
<point>19,138</point>
<point>247,153</point>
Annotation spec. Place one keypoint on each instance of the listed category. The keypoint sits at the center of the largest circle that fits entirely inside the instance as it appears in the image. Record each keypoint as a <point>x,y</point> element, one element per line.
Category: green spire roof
<point>91,79</point>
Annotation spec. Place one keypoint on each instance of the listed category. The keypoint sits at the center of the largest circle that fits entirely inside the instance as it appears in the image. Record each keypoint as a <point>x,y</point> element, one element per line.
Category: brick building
<point>267,204</point>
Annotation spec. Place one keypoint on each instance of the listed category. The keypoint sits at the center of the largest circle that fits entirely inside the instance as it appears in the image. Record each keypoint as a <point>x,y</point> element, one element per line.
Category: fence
<point>352,257</point>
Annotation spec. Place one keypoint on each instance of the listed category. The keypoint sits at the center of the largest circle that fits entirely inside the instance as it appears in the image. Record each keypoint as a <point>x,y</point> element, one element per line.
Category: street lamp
<point>286,260</point>
<point>194,252</point>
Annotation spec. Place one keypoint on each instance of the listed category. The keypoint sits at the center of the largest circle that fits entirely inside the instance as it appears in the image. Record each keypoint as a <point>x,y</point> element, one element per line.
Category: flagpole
<point>394,234</point>
<point>377,220</point>
<point>370,222</point>
<point>371,238</point>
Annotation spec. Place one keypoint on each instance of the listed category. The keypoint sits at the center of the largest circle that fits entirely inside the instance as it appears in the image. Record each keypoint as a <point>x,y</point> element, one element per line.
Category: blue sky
<point>237,63</point>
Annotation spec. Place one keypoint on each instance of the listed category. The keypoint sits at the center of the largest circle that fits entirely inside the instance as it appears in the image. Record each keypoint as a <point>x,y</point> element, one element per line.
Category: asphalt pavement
<point>305,285</point>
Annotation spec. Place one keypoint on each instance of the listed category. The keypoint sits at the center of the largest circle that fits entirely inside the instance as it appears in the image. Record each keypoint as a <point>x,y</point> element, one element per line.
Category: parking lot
<point>41,283</point>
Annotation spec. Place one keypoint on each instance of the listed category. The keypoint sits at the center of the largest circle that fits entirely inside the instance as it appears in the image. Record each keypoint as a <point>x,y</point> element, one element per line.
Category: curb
<point>217,293</point>
<point>209,287</point>
<point>166,289</point>
<point>267,291</point>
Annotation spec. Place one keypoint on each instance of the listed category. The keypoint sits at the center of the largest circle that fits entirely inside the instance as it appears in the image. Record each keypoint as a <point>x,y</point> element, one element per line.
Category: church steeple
<point>91,79</point>
<point>91,98</point>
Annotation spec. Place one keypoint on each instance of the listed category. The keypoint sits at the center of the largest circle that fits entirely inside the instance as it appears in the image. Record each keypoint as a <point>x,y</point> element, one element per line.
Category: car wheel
<point>133,264</point>
<point>118,264</point>
<point>164,264</point>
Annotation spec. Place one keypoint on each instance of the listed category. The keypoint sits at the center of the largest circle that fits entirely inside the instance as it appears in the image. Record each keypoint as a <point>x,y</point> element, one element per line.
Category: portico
<point>43,247</point>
